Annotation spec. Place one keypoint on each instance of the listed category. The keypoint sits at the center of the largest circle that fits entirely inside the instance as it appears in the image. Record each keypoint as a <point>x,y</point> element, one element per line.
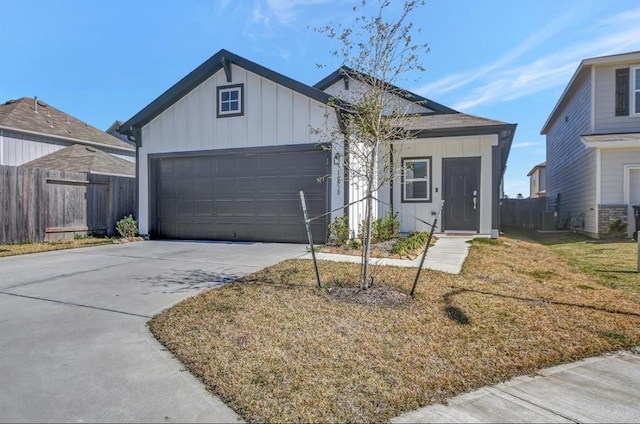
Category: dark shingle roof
<point>79,158</point>
<point>20,114</point>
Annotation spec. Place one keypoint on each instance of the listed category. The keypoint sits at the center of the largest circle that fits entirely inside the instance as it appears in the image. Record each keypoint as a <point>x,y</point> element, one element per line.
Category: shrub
<point>617,227</point>
<point>385,228</point>
<point>413,241</point>
<point>339,231</point>
<point>127,227</point>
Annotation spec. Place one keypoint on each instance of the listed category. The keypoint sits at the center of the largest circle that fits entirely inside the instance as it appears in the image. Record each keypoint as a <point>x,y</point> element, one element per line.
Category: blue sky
<point>502,59</point>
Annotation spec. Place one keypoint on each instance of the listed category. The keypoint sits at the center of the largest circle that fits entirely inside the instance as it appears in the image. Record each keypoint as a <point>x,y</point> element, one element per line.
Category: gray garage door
<point>241,195</point>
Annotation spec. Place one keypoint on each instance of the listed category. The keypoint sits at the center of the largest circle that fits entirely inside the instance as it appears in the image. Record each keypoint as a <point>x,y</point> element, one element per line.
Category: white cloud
<point>528,144</point>
<point>286,11</point>
<point>621,33</point>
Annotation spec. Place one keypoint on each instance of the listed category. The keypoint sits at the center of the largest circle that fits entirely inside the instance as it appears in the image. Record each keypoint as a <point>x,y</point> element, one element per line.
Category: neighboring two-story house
<point>593,146</point>
<point>538,181</point>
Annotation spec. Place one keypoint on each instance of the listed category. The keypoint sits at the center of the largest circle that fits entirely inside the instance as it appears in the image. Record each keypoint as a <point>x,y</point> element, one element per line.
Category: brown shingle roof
<point>452,120</point>
<point>79,158</point>
<point>20,114</point>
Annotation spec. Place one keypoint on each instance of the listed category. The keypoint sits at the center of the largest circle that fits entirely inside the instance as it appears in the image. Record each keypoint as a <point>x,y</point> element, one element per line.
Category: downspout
<point>1,147</point>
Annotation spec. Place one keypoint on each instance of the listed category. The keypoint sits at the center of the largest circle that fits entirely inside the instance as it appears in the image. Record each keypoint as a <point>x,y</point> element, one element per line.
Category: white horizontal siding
<point>612,164</point>
<point>605,121</point>
<point>18,149</point>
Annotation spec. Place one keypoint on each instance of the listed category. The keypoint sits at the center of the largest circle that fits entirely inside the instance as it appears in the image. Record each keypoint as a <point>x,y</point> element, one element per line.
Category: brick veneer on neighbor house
<point>608,212</point>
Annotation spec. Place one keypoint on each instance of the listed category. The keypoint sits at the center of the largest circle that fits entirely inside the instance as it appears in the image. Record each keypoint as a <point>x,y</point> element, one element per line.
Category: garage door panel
<point>251,196</point>
<point>204,207</point>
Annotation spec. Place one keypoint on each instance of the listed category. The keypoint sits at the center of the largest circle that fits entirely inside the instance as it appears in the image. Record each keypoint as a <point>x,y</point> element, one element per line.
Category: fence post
<point>426,248</point>
<point>310,237</point>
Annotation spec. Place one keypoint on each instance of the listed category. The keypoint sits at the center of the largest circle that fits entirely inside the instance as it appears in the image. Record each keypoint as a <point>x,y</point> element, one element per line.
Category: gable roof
<point>79,158</point>
<point>346,72</point>
<point>20,115</point>
<point>538,166</point>
<point>584,68</point>
<point>215,63</point>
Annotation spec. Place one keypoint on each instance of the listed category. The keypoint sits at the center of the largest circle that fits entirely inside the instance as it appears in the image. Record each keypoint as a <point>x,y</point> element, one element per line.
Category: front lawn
<point>28,248</point>
<point>277,349</point>
<point>611,262</point>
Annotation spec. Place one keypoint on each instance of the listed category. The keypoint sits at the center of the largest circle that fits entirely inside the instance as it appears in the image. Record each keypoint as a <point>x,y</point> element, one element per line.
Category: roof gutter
<point>73,140</point>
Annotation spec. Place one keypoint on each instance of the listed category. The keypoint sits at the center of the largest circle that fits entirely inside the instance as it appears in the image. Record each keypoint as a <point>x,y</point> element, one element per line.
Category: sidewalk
<point>447,255</point>
<point>601,389</point>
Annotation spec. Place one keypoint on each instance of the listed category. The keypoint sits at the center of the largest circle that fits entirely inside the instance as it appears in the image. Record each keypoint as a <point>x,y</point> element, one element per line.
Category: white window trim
<point>227,89</point>
<point>633,90</point>
<point>406,180</point>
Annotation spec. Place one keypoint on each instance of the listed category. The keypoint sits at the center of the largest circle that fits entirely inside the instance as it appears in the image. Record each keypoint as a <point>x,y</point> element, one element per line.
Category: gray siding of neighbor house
<point>606,121</point>
<point>17,149</point>
<point>571,167</point>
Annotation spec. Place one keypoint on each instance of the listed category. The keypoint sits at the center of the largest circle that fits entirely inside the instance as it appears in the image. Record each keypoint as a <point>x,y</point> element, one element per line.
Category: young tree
<point>376,51</point>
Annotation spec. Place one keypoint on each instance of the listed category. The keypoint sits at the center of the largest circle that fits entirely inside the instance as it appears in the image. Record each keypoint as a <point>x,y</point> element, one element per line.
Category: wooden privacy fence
<point>46,205</point>
<point>522,213</point>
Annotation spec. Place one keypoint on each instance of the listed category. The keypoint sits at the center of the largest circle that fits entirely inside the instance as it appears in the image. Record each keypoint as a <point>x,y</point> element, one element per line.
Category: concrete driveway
<point>73,340</point>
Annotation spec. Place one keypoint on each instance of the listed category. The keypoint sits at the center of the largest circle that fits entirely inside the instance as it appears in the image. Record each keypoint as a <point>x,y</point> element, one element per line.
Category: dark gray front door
<point>244,195</point>
<point>461,194</point>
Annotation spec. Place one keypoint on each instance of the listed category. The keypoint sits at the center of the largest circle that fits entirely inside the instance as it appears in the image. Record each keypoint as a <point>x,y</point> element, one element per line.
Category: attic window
<point>230,100</point>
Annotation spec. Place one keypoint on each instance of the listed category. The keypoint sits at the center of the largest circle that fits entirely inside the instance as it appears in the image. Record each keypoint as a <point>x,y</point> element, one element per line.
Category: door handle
<point>475,199</point>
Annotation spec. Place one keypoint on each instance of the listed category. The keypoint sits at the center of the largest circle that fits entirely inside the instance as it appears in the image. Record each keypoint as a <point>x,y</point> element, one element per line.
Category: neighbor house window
<point>622,92</point>
<point>635,90</point>
<point>416,180</point>
<point>230,100</point>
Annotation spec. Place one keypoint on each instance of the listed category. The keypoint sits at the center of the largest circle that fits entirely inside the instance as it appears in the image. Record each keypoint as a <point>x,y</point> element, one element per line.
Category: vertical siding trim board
<point>592,106</point>
<point>598,176</point>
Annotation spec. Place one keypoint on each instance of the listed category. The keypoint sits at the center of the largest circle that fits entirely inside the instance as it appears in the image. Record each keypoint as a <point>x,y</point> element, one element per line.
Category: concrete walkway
<point>601,389</point>
<point>447,255</point>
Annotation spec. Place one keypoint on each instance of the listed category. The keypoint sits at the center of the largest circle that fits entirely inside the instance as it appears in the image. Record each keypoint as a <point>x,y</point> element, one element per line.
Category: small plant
<point>617,227</point>
<point>354,244</point>
<point>412,242</point>
<point>339,231</point>
<point>127,227</point>
<point>385,228</point>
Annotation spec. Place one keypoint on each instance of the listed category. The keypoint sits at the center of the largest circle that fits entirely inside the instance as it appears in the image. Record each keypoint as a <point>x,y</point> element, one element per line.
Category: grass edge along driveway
<point>278,350</point>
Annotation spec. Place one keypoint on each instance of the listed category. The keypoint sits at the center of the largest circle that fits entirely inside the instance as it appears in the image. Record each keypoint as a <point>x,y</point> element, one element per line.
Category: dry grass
<point>27,248</point>
<point>278,350</point>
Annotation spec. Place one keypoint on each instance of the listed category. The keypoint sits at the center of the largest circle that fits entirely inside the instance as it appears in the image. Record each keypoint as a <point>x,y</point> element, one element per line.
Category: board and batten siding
<point>274,115</point>
<point>571,166</point>
<point>605,119</point>
<point>613,163</point>
<point>439,149</point>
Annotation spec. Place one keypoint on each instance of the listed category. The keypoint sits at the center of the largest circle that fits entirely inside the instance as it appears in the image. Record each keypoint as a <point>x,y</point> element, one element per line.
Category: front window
<point>230,99</point>
<point>416,176</point>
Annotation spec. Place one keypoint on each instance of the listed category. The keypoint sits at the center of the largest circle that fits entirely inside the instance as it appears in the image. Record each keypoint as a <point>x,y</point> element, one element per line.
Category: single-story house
<point>593,146</point>
<point>31,129</point>
<point>224,152</point>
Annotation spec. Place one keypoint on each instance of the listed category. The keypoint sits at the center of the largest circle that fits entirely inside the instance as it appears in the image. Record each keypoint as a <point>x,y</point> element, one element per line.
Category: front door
<point>461,194</point>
